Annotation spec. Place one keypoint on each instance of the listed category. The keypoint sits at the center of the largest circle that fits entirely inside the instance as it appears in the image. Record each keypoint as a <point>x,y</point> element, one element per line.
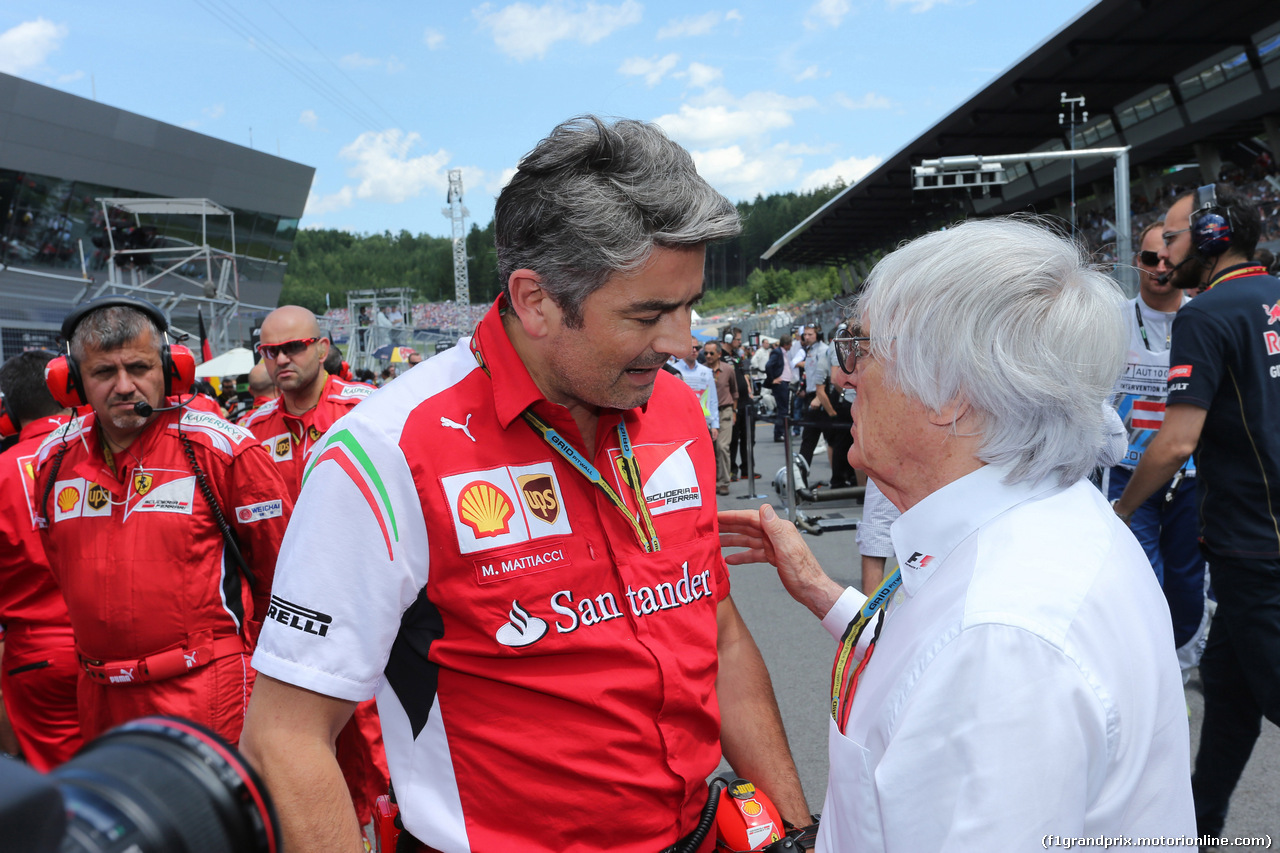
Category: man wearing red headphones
<point>161,525</point>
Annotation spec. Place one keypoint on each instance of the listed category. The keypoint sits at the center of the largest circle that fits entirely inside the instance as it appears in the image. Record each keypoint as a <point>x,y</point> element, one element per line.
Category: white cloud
<point>63,79</point>
<point>215,111</point>
<point>318,205</point>
<point>701,76</point>
<point>358,60</point>
<point>495,186</point>
<point>652,70</point>
<point>742,174</point>
<point>918,5</point>
<point>869,101</point>
<point>25,47</point>
<point>718,119</point>
<point>433,39</point>
<point>697,25</point>
<point>829,13</point>
<point>850,170</point>
<point>811,73</point>
<point>387,173</point>
<point>523,31</point>
<point>309,119</point>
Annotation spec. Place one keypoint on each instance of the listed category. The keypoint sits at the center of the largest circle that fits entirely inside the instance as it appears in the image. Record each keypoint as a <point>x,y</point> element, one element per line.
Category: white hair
<point>1011,318</point>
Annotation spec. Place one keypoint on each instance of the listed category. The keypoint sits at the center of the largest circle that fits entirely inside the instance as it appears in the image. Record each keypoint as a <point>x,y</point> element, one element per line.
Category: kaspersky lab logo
<point>341,447</point>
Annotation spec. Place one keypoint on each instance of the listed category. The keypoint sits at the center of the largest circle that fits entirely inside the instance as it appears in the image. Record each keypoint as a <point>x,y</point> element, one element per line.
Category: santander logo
<point>522,629</point>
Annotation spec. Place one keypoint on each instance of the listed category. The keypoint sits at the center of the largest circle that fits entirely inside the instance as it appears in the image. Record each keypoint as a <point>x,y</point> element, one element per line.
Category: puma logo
<point>445,422</point>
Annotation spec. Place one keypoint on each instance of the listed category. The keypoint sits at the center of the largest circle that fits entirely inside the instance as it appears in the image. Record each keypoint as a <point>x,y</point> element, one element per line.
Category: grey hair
<point>111,328</point>
<point>594,199</point>
<point>1013,319</point>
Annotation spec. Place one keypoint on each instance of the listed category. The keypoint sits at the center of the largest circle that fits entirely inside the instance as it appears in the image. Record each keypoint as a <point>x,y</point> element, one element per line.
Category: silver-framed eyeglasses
<point>849,349</point>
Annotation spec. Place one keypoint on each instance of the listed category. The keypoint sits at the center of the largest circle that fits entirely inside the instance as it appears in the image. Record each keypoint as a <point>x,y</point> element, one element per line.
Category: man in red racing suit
<point>310,400</point>
<point>163,615</point>
<point>38,677</point>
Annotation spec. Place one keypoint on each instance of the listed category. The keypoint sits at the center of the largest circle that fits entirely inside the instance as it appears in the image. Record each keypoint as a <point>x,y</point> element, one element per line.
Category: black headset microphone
<point>1164,279</point>
<point>143,409</point>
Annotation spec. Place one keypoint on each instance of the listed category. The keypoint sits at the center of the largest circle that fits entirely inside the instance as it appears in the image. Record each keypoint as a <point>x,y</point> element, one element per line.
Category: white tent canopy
<point>233,362</point>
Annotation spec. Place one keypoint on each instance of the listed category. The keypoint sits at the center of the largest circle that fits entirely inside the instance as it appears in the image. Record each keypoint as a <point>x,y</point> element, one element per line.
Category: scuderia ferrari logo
<point>142,483</point>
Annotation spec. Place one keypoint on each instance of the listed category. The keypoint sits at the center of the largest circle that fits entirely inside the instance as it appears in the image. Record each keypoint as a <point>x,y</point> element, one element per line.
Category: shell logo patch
<point>487,513</point>
<point>485,509</point>
<point>142,483</point>
<point>68,498</point>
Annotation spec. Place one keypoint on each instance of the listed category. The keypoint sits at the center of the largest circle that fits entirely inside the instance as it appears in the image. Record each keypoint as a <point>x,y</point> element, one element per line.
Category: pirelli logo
<point>298,617</point>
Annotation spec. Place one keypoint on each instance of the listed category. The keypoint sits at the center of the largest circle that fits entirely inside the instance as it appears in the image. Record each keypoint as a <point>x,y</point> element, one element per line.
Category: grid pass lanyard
<point>1252,270</point>
<point>844,676</point>
<point>628,467</point>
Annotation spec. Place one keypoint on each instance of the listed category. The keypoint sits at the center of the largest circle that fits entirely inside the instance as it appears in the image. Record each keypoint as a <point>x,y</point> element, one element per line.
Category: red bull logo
<point>1273,313</point>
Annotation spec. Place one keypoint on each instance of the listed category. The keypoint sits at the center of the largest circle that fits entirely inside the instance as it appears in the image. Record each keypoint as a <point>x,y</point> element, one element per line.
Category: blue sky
<point>384,98</point>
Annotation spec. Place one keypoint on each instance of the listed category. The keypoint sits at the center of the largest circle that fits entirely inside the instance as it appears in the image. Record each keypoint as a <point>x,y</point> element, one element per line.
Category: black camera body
<point>154,785</point>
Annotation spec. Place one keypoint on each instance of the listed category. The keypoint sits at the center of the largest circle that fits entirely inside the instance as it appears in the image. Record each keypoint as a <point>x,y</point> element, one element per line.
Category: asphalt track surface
<point>798,652</point>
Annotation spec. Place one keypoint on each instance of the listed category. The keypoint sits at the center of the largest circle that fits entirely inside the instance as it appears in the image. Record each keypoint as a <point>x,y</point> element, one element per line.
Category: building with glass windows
<point>61,154</point>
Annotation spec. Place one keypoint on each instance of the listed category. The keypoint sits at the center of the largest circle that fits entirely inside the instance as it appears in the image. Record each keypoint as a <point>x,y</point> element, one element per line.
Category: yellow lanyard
<point>628,467</point>
<point>1255,270</point>
<point>843,677</point>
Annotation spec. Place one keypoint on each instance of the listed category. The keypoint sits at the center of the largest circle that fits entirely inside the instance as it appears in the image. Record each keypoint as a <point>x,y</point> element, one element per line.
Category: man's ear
<point>537,312</point>
<point>952,413</point>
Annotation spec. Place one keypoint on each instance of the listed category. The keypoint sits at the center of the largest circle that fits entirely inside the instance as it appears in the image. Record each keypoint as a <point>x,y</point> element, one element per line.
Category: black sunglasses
<point>1149,259</point>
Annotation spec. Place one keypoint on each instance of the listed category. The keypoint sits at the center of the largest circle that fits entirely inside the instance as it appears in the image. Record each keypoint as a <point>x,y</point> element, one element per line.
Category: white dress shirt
<point>1024,683</point>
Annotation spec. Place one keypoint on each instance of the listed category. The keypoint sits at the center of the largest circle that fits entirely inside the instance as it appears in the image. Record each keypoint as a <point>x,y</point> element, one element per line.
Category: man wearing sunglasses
<point>293,351</point>
<point>310,401</point>
<point>1166,522</point>
<point>1224,404</point>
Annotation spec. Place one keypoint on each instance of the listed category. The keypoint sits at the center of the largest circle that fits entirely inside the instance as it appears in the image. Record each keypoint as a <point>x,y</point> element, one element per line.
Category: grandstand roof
<point>1121,55</point>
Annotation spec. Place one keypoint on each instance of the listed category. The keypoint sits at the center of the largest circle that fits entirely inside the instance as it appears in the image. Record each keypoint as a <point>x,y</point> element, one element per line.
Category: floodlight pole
<point>1071,144</point>
<point>1125,272</point>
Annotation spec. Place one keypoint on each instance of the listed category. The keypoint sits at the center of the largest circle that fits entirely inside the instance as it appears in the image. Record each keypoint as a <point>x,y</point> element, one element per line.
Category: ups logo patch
<point>539,494</point>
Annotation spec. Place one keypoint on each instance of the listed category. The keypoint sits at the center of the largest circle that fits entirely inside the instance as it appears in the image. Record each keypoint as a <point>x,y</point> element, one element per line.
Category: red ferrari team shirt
<point>140,559</point>
<point>28,593</point>
<point>544,683</point>
<point>289,438</point>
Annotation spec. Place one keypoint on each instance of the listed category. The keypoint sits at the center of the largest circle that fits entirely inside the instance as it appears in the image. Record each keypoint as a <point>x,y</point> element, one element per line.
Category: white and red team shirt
<point>289,438</point>
<point>543,683</point>
<point>1140,392</point>
<point>140,559</point>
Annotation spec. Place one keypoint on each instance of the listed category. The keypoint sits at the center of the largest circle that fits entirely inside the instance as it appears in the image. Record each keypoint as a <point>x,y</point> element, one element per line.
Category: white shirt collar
<point>924,535</point>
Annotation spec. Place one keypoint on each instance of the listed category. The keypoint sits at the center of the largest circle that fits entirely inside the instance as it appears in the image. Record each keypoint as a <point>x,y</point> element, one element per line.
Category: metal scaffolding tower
<point>367,336</point>
<point>457,214</point>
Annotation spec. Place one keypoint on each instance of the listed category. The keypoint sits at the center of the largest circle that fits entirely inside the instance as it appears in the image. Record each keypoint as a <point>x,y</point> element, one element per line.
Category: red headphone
<point>8,423</point>
<point>62,374</point>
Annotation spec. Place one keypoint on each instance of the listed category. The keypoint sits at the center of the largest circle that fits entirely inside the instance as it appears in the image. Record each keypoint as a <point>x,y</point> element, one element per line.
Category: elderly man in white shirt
<point>1023,685</point>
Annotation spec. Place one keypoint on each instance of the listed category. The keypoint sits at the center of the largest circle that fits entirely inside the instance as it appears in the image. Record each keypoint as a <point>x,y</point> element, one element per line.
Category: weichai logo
<point>341,447</point>
<point>485,508</point>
